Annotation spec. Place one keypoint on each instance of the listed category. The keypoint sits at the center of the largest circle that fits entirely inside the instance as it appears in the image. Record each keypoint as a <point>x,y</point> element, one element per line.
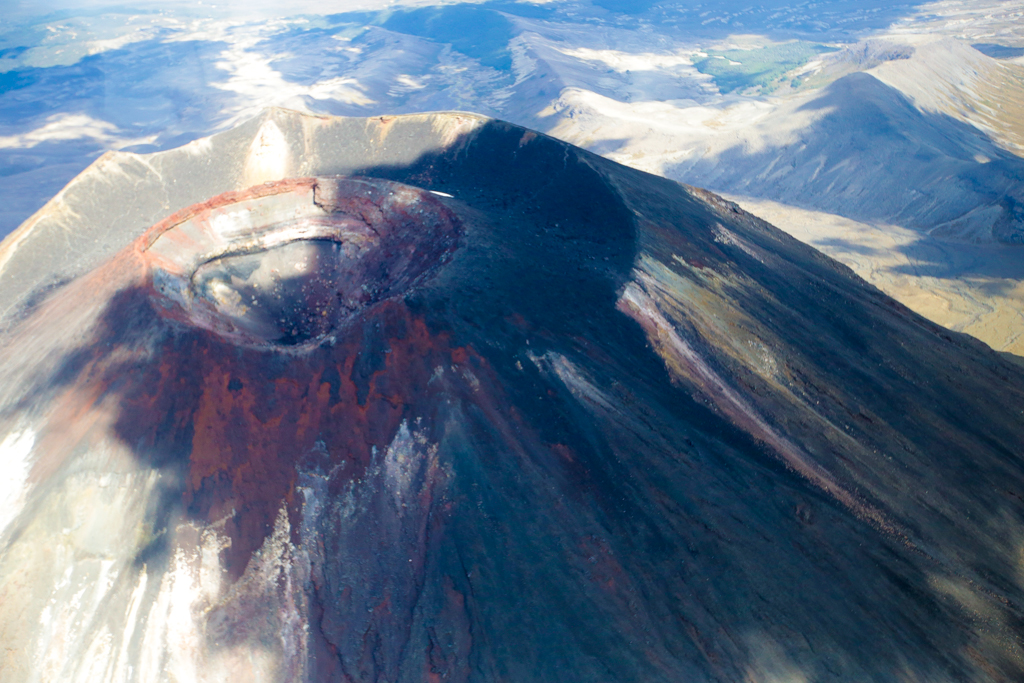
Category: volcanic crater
<point>450,400</point>
<point>285,263</point>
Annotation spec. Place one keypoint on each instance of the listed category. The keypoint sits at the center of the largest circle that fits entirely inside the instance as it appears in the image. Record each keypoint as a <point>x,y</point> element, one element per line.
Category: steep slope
<point>977,289</point>
<point>944,75</point>
<point>563,421</point>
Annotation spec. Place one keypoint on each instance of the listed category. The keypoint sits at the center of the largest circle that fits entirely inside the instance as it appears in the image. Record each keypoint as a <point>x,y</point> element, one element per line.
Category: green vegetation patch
<point>764,66</point>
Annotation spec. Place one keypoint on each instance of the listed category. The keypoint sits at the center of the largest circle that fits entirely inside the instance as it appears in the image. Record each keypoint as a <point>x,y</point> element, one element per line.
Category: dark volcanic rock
<point>459,402</point>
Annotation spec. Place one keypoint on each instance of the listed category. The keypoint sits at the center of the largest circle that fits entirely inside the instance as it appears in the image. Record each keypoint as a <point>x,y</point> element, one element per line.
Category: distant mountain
<point>439,398</point>
<point>902,139</point>
<point>866,152</point>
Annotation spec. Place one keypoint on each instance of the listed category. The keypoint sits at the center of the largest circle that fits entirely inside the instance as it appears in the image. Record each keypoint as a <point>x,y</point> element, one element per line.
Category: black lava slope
<point>437,398</point>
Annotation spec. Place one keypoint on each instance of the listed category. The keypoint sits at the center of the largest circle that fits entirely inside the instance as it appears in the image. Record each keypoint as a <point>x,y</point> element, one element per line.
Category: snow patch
<point>14,452</point>
<point>626,61</point>
<point>65,126</point>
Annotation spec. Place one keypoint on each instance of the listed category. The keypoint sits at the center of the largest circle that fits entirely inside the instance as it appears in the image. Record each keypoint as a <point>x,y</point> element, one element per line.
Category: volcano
<point>438,398</point>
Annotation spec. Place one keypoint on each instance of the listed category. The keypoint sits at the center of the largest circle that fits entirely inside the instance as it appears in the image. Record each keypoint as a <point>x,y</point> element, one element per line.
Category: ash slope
<point>627,433</point>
